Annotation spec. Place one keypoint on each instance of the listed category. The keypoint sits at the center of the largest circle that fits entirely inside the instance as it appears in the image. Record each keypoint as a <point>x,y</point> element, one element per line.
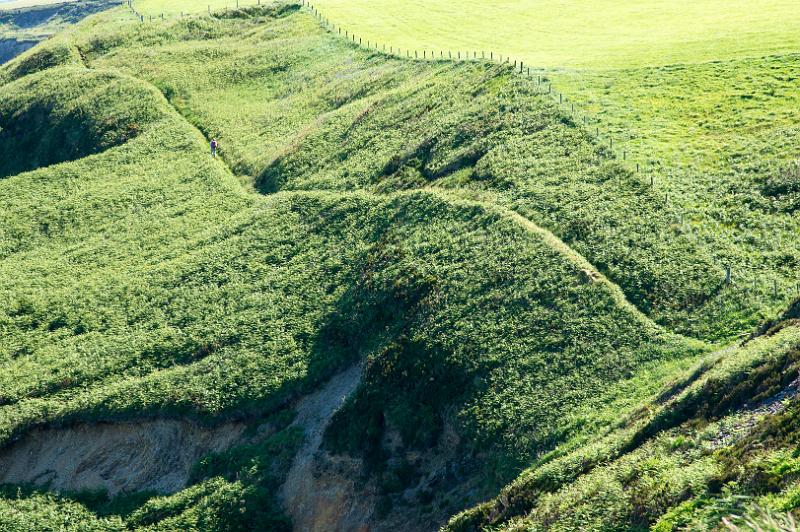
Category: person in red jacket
<point>214,145</point>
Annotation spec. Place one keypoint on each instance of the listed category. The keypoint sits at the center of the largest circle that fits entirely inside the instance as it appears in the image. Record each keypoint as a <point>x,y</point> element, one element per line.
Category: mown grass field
<point>497,270</point>
<point>574,34</point>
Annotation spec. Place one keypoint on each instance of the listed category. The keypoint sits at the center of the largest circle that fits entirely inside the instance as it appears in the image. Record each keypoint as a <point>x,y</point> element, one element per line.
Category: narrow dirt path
<point>310,504</point>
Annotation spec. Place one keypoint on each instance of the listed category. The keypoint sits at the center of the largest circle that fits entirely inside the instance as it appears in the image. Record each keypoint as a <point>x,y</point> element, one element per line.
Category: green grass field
<point>574,34</point>
<point>502,275</point>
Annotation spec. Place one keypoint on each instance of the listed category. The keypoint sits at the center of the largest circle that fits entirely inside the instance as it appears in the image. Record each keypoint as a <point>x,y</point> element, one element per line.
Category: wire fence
<point>650,172</point>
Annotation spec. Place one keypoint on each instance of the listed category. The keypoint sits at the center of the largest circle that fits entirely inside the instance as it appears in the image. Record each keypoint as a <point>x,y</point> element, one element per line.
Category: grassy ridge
<point>322,114</point>
<point>67,110</point>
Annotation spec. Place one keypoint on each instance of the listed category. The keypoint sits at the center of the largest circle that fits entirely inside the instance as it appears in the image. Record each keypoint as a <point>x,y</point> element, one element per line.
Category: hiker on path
<point>214,148</point>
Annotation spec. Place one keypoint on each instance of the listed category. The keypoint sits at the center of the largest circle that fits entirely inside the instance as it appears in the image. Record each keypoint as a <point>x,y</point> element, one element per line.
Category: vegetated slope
<point>51,119</point>
<point>297,108</point>
<point>670,83</point>
<point>712,119</point>
<point>718,444</point>
<point>144,281</point>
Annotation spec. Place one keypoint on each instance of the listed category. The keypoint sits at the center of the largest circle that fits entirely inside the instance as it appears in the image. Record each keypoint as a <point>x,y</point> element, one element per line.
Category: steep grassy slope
<point>54,119</point>
<point>719,443</point>
<point>143,280</point>
<point>298,109</point>
<point>668,82</point>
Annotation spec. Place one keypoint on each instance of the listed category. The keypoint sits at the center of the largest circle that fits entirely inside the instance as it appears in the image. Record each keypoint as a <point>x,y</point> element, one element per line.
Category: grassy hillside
<point>686,88</point>
<point>718,444</point>
<point>325,115</point>
<point>145,280</point>
<point>507,284</point>
<point>704,96</point>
